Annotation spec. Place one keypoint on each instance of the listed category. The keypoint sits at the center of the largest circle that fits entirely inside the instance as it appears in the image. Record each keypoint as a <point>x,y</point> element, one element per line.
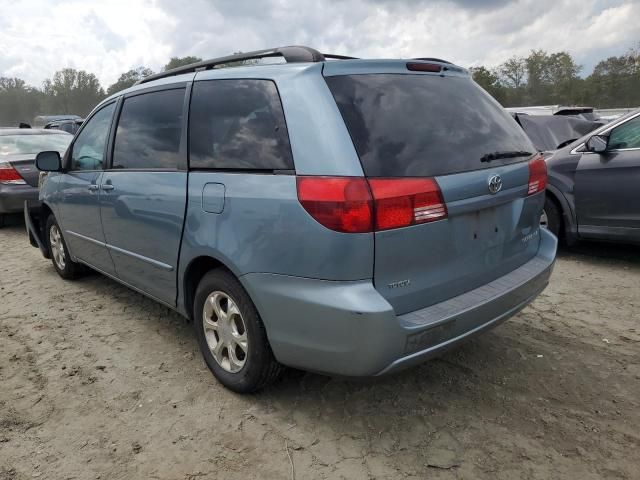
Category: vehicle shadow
<point>13,221</point>
<point>597,251</point>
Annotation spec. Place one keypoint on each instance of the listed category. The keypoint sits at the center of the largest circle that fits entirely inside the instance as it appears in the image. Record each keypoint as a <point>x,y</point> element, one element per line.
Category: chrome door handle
<point>107,186</point>
<point>93,187</point>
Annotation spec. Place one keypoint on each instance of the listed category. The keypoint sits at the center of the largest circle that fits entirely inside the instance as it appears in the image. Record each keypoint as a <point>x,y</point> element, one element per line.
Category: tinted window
<point>89,147</point>
<point>238,124</point>
<point>149,129</point>
<point>626,135</point>
<point>424,125</point>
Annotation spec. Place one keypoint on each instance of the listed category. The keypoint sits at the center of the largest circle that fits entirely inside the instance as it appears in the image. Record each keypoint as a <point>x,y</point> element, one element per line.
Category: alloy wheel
<point>225,331</point>
<point>57,248</point>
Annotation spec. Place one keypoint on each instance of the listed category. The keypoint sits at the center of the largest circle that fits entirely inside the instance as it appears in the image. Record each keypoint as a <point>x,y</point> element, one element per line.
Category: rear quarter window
<point>238,125</point>
<point>405,125</point>
<point>149,129</point>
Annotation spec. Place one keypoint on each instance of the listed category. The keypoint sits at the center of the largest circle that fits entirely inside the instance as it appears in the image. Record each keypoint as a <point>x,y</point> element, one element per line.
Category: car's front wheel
<point>231,334</point>
<point>66,268</point>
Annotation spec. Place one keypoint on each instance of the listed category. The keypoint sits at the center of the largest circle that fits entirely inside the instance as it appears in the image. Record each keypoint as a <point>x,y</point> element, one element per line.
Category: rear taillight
<point>9,175</point>
<point>537,175</point>
<point>355,205</point>
<point>342,204</point>
<point>401,202</point>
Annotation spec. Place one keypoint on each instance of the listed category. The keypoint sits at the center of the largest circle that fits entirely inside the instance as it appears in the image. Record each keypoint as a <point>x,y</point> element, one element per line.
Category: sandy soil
<point>98,382</point>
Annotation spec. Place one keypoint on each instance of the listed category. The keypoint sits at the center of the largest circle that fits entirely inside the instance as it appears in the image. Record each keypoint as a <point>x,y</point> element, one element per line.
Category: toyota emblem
<point>495,184</point>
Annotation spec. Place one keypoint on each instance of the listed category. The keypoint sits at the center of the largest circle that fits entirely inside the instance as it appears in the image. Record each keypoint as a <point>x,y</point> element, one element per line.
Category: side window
<point>89,148</point>
<point>149,129</point>
<point>626,135</point>
<point>238,124</point>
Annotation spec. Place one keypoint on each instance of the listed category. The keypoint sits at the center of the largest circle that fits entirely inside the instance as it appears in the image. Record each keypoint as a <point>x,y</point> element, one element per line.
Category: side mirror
<point>48,161</point>
<point>597,143</point>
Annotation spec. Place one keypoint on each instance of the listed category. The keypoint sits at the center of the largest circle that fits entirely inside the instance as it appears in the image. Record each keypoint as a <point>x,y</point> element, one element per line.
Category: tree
<point>18,101</point>
<point>552,78</point>
<point>128,78</point>
<point>176,62</point>
<point>489,80</point>
<point>514,71</point>
<point>72,92</point>
<point>615,82</point>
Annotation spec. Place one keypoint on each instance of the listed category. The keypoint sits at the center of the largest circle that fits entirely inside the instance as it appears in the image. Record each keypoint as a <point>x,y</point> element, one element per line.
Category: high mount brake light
<point>537,175</point>
<point>424,67</point>
<point>358,205</point>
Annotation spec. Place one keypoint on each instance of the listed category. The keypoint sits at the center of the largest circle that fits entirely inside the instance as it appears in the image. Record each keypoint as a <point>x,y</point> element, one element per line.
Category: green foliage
<point>544,78</point>
<point>490,81</point>
<point>176,62</point>
<point>127,79</point>
<point>72,92</point>
<point>18,102</point>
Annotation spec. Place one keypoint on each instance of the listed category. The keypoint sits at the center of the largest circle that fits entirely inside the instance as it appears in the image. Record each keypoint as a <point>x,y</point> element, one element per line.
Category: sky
<point>108,37</point>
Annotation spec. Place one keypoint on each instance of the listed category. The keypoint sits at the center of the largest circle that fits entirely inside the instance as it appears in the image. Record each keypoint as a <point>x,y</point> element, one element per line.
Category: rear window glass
<point>24,144</point>
<point>238,124</point>
<point>424,125</point>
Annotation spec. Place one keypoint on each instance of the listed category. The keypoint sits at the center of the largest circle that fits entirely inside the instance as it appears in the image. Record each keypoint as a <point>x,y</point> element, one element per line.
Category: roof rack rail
<point>292,54</point>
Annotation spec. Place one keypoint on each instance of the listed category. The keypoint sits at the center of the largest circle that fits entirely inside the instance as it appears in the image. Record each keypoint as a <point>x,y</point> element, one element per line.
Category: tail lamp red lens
<point>342,204</point>
<point>9,175</point>
<point>401,202</point>
<point>537,175</point>
<point>358,205</point>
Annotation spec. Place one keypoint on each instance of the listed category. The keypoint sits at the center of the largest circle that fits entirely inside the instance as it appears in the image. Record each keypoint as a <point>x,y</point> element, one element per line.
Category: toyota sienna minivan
<point>343,216</point>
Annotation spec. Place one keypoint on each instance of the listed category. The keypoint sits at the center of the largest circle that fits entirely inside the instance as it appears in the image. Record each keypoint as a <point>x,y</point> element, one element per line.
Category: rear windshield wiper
<point>498,155</point>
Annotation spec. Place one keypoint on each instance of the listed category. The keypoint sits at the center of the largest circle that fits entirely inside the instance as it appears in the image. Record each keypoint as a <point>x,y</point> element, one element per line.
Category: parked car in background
<point>594,185</point>
<point>550,132</point>
<point>70,125</point>
<point>560,110</point>
<point>18,172</point>
<point>41,120</point>
<point>349,217</point>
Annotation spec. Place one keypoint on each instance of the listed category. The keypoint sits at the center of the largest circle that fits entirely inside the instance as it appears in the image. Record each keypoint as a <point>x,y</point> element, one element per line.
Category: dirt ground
<point>98,382</point>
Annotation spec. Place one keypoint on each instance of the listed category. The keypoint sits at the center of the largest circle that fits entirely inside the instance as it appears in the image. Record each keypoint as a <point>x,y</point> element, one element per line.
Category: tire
<point>554,217</point>
<point>249,364</point>
<point>2,219</point>
<point>66,268</point>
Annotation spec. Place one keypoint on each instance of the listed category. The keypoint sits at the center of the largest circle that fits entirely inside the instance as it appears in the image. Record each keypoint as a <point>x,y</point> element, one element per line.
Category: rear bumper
<point>349,329</point>
<point>12,197</point>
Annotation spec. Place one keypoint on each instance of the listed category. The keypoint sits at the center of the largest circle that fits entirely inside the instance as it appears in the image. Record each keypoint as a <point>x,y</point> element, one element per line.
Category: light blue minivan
<point>344,216</point>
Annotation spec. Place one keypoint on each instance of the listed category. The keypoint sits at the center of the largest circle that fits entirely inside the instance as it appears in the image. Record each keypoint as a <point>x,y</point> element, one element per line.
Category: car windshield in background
<point>27,144</point>
<point>424,125</point>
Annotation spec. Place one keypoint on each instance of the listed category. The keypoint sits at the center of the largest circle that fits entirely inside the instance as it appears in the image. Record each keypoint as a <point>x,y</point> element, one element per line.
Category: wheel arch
<point>193,273</point>
<point>45,211</point>
<point>568,216</point>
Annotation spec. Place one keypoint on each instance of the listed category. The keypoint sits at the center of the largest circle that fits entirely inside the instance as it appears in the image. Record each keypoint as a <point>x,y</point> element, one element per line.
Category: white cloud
<point>107,38</point>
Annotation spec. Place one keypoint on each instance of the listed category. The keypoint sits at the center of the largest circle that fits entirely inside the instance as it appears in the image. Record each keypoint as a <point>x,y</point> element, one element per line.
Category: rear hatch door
<point>444,127</point>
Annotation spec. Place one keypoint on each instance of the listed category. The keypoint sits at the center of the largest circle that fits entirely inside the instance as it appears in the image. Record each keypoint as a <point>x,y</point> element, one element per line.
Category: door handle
<point>107,186</point>
<point>93,187</point>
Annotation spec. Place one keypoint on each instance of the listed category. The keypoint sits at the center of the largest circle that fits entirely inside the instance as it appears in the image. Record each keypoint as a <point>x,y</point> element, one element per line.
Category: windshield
<point>33,144</point>
<point>426,125</point>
